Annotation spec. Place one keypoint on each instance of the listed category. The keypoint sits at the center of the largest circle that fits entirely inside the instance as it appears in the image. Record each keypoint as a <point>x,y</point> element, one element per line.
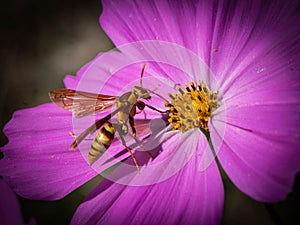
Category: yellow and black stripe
<point>102,141</point>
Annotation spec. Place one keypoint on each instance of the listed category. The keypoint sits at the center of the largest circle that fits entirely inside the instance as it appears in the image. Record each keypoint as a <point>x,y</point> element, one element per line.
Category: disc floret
<point>192,107</point>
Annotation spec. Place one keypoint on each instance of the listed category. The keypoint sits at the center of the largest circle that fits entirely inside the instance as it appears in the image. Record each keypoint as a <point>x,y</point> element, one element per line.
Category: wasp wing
<point>81,103</point>
<point>142,127</point>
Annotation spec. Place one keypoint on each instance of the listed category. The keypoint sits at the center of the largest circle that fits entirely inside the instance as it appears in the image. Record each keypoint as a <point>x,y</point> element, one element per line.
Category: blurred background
<point>41,42</point>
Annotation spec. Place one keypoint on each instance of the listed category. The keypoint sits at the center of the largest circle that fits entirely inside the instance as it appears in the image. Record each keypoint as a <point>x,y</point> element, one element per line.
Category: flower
<point>251,50</point>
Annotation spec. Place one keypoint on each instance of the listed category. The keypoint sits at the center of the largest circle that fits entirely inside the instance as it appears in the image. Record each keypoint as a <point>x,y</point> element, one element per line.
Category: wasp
<point>84,103</point>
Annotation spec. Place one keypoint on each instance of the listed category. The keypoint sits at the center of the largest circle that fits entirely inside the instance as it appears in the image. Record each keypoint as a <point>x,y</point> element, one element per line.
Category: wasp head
<point>142,92</point>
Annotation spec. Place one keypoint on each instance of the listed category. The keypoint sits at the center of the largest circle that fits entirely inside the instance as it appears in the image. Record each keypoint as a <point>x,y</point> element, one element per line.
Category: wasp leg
<point>139,112</point>
<point>72,135</point>
<point>141,105</point>
<point>130,152</point>
<point>131,123</point>
<point>76,136</point>
<point>155,109</point>
<point>141,146</point>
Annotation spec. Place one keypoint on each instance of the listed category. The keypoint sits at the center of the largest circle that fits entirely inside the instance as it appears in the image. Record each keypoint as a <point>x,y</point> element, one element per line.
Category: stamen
<point>204,88</point>
<point>180,90</point>
<point>171,96</point>
<point>193,85</point>
<point>199,86</point>
<point>187,88</point>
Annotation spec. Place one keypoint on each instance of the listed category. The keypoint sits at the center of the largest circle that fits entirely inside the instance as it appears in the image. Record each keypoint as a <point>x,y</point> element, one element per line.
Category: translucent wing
<point>142,127</point>
<point>81,103</point>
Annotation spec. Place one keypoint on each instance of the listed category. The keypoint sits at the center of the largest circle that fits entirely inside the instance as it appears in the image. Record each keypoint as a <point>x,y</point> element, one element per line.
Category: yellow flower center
<point>192,107</point>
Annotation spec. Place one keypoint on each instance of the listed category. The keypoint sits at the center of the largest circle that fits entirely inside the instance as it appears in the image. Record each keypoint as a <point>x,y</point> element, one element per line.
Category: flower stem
<point>207,135</point>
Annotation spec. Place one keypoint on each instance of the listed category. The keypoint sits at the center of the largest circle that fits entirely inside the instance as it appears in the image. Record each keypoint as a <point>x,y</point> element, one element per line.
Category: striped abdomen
<point>102,141</point>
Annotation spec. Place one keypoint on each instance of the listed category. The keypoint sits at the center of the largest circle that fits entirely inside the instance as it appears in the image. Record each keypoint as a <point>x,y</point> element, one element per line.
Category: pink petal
<point>265,159</point>
<point>37,161</point>
<point>261,103</point>
<point>225,35</point>
<point>188,197</point>
<point>250,39</point>
<point>186,23</point>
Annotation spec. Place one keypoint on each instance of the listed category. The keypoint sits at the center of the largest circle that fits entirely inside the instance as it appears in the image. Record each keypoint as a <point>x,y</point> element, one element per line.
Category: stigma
<point>192,107</point>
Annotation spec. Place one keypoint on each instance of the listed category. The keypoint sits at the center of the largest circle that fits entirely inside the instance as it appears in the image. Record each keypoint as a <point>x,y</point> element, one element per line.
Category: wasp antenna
<point>156,88</point>
<point>142,74</point>
<point>158,95</point>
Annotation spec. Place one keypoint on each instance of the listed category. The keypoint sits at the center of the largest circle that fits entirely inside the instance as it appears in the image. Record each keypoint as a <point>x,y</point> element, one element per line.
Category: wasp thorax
<point>192,107</point>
